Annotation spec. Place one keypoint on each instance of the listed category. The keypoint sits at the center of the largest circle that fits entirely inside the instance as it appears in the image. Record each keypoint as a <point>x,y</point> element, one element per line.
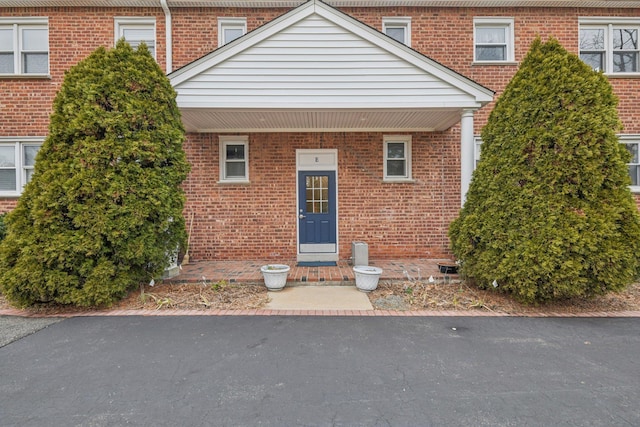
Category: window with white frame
<point>24,46</point>
<point>230,29</point>
<point>398,28</point>
<point>610,46</point>
<point>493,40</point>
<point>137,31</point>
<point>234,159</point>
<point>632,143</point>
<point>397,157</point>
<point>17,160</point>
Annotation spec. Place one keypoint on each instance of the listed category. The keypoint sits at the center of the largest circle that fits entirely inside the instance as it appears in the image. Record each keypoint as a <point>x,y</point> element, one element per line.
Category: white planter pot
<point>367,277</point>
<point>275,276</point>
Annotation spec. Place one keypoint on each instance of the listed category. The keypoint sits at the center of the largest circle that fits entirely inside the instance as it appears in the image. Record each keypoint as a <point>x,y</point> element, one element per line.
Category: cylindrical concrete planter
<point>367,277</point>
<point>275,276</point>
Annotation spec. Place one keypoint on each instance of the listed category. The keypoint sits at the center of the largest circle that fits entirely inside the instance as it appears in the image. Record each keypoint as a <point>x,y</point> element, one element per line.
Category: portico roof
<point>316,68</point>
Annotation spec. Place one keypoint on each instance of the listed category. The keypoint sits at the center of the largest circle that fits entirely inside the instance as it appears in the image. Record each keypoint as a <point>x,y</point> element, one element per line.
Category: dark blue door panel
<point>317,207</point>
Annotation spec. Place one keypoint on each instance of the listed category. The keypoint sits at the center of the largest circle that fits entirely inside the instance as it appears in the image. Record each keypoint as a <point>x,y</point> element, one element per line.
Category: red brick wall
<point>258,220</point>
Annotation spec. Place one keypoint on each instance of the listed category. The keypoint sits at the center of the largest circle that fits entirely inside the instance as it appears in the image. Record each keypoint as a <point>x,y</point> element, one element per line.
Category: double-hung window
<point>397,158</point>
<point>398,28</point>
<point>610,46</point>
<point>137,31</point>
<point>24,46</point>
<point>230,29</point>
<point>632,143</point>
<point>17,160</point>
<point>234,159</point>
<point>493,40</point>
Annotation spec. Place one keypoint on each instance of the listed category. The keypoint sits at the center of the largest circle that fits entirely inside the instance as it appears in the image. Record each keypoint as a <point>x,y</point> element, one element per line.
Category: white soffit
<point>311,63</point>
<point>335,3</point>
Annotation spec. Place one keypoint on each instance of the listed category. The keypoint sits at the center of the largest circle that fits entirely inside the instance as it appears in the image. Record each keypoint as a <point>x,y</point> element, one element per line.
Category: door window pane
<point>317,194</point>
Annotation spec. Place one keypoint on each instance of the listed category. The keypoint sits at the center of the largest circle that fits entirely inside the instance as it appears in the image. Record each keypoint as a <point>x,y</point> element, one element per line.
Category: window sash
<point>397,158</point>
<point>136,31</point>
<point>610,48</point>
<point>230,29</point>
<point>398,28</point>
<point>24,48</point>
<point>493,39</point>
<point>234,159</point>
<point>17,162</point>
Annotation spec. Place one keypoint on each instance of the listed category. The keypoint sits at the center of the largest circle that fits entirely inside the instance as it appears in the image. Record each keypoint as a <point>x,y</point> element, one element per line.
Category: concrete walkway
<point>319,298</point>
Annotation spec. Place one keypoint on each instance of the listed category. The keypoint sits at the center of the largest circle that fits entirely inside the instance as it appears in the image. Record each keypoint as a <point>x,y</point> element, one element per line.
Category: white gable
<point>313,61</point>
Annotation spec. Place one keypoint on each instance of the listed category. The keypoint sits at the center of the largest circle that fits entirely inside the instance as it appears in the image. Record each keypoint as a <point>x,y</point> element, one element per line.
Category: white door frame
<point>316,160</point>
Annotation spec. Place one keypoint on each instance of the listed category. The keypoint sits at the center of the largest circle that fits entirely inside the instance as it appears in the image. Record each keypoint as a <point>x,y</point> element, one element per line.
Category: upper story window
<point>611,47</point>
<point>230,29</point>
<point>493,40</point>
<point>137,31</point>
<point>17,160</point>
<point>397,157</point>
<point>24,46</point>
<point>398,28</point>
<point>234,159</point>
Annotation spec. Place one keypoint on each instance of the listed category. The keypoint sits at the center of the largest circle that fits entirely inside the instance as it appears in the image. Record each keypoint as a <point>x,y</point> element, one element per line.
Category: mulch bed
<point>409,295</point>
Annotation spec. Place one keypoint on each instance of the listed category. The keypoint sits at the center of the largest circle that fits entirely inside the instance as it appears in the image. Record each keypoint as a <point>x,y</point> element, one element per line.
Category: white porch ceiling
<point>352,120</point>
<point>335,3</point>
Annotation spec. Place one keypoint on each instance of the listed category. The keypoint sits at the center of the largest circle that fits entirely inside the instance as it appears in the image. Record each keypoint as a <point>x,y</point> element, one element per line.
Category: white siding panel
<point>316,62</point>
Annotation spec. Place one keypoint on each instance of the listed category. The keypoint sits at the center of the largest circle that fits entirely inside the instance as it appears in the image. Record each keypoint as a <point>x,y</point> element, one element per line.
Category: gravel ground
<point>14,328</point>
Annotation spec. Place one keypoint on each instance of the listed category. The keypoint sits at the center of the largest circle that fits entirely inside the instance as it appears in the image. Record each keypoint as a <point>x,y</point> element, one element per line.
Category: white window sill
<point>398,180</point>
<point>25,76</point>
<point>510,63</point>
<point>237,181</point>
<point>11,195</point>
<point>623,76</point>
<point>634,189</point>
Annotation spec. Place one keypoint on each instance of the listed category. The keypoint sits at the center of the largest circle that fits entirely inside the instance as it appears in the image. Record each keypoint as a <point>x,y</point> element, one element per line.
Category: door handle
<point>302,216</point>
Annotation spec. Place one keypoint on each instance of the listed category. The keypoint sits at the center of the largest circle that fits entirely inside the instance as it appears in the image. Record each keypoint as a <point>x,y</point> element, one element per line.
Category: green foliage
<point>104,208</point>
<point>3,226</point>
<point>549,214</point>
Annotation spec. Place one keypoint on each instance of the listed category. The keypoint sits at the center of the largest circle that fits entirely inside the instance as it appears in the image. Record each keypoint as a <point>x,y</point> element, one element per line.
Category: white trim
<point>121,23</point>
<point>231,23</point>
<point>508,23</point>
<point>467,153</point>
<point>403,22</point>
<point>406,140</point>
<point>225,140</point>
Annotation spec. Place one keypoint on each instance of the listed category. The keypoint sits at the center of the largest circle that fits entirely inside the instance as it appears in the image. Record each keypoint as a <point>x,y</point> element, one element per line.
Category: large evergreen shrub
<point>549,214</point>
<point>103,210</point>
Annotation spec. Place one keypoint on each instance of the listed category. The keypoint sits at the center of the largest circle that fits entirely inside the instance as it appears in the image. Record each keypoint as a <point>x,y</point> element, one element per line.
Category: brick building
<point>314,124</point>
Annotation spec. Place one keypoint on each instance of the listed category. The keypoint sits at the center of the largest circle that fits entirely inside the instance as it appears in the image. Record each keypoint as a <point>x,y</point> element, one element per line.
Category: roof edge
<point>335,3</point>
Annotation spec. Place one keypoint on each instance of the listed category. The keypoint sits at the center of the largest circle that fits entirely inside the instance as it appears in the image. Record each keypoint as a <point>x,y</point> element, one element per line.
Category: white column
<point>467,148</point>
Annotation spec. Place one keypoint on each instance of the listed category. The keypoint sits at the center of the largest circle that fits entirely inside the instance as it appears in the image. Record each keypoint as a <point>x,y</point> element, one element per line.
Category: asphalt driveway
<point>323,371</point>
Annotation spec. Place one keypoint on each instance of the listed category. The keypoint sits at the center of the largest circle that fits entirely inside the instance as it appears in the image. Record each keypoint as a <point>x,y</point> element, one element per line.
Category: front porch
<point>341,274</point>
